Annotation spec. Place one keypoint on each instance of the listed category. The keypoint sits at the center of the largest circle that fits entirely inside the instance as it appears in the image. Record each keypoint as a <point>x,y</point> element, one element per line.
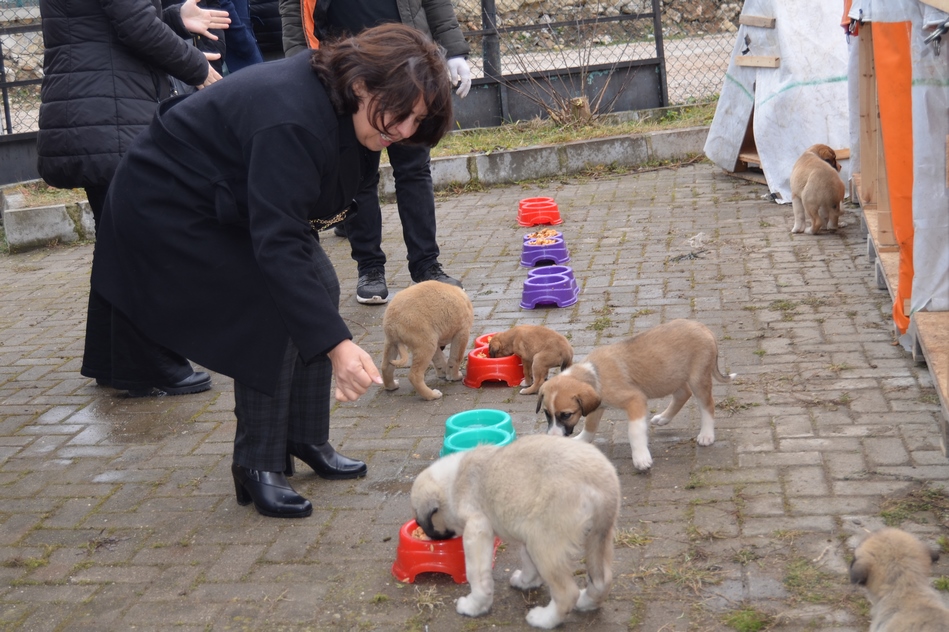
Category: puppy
<point>539,348</point>
<point>895,566</point>
<point>816,190</point>
<point>557,499</point>
<point>422,320</point>
<point>678,358</point>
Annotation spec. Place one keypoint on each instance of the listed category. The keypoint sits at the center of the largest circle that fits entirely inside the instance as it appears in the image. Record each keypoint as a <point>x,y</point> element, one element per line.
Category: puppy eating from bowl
<point>895,566</point>
<point>539,348</point>
<point>557,499</point>
<point>677,358</point>
<point>422,320</point>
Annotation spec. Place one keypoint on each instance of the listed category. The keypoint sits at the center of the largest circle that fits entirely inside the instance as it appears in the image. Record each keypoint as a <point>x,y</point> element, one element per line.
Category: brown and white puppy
<point>539,348</point>
<point>816,190</point>
<point>895,567</point>
<point>422,320</point>
<point>678,358</point>
<point>557,499</point>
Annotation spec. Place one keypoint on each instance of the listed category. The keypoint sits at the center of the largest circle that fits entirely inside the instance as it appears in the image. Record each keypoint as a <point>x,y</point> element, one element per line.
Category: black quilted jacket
<point>105,70</point>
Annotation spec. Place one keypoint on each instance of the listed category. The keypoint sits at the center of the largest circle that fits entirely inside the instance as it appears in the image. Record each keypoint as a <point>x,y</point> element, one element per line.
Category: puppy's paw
<point>585,602</point>
<point>524,382</point>
<point>472,606</point>
<point>797,229</point>
<point>435,394</point>
<point>520,580</point>
<point>808,231</point>
<point>393,386</point>
<point>544,617</point>
<point>705,438</point>
<point>659,420</point>
<point>453,377</point>
<point>642,460</point>
<point>586,437</point>
<point>530,390</point>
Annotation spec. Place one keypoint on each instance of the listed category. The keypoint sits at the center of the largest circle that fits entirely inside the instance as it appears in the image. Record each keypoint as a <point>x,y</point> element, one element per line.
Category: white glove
<point>460,75</point>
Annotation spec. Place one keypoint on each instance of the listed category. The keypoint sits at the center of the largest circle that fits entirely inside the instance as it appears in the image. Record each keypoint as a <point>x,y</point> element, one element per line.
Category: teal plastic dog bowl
<point>468,439</point>
<point>479,418</point>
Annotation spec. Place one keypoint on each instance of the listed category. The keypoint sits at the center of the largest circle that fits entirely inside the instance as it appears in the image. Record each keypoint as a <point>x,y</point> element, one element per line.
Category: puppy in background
<point>678,358</point>
<point>558,499</point>
<point>422,320</point>
<point>539,348</point>
<point>816,190</point>
<point>895,567</point>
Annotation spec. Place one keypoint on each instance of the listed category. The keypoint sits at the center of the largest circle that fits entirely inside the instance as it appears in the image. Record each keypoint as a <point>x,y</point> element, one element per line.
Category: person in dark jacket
<point>265,18</point>
<point>106,67</point>
<point>411,166</point>
<point>208,240</point>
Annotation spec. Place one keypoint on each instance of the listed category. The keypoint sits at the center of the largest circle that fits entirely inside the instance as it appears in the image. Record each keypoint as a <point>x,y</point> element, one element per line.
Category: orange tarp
<point>893,65</point>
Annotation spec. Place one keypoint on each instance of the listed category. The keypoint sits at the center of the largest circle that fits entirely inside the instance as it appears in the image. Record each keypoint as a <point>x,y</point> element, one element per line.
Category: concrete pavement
<point>119,514</point>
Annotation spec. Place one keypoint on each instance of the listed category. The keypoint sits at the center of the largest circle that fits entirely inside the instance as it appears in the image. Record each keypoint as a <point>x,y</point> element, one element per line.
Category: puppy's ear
<point>587,400</point>
<point>540,399</point>
<point>859,572</point>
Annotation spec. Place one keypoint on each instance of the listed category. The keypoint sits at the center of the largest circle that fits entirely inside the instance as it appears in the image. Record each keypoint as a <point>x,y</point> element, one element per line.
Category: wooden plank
<point>842,154</point>
<point>753,176</point>
<point>942,5</point>
<point>756,20</point>
<point>869,116</point>
<point>750,157</point>
<point>932,334</point>
<point>758,61</point>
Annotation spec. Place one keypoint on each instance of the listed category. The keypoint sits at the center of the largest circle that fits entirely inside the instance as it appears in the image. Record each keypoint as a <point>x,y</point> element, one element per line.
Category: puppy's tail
<point>724,379</point>
<point>403,357</point>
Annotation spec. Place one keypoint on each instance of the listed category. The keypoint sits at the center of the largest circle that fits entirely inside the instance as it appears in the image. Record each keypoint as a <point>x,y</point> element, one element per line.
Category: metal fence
<point>536,38</point>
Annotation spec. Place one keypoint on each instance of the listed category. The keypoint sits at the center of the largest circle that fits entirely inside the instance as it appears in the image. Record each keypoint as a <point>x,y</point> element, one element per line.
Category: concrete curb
<point>28,228</point>
<point>530,163</point>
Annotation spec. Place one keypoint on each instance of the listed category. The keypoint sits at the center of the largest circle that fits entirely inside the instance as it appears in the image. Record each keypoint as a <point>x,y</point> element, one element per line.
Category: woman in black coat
<point>208,240</point>
<point>106,66</point>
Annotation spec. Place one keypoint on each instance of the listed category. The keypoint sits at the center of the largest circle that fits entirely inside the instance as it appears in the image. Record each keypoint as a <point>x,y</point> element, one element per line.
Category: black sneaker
<point>339,230</point>
<point>371,288</point>
<point>435,273</point>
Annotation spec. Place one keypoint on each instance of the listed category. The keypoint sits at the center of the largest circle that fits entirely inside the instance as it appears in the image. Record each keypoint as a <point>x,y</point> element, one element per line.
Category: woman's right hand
<point>200,21</point>
<point>213,75</point>
<point>354,370</point>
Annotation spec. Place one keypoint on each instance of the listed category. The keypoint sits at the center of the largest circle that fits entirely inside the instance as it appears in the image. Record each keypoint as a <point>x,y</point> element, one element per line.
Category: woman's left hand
<point>200,21</point>
<point>354,370</point>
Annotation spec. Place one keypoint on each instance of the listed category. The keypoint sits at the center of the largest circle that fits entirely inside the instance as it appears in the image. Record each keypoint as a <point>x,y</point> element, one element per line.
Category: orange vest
<point>306,9</point>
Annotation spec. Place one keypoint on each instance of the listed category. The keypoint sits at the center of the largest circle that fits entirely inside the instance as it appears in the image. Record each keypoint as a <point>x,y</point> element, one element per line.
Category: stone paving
<point>119,514</point>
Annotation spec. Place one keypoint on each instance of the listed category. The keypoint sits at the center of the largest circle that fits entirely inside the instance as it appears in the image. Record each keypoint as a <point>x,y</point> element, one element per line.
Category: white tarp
<point>802,102</point>
<point>930,97</point>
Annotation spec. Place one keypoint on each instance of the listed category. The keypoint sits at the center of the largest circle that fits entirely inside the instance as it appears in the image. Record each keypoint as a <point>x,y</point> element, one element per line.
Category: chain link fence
<point>507,37</point>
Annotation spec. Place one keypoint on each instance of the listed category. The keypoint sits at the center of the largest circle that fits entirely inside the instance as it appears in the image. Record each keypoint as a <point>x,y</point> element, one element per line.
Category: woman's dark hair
<point>397,64</point>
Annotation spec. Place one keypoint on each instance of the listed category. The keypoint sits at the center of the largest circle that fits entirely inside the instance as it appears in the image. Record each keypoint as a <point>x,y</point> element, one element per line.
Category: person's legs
<point>364,231</point>
<point>260,446</point>
<point>310,393</point>
<point>97,354</point>
<point>241,48</point>
<point>415,198</point>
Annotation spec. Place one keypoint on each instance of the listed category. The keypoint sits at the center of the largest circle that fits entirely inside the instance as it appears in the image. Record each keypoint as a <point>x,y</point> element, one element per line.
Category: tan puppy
<point>678,358</point>
<point>816,190</point>
<point>895,566</point>
<point>558,499</point>
<point>539,348</point>
<point>422,320</point>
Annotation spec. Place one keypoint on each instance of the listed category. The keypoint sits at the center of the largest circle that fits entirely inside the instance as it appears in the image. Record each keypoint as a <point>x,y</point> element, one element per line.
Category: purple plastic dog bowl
<point>545,271</point>
<point>547,289</point>
<point>550,251</point>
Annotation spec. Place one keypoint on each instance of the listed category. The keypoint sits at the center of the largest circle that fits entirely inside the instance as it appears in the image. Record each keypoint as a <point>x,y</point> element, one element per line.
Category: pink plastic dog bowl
<point>414,556</point>
<point>538,210</point>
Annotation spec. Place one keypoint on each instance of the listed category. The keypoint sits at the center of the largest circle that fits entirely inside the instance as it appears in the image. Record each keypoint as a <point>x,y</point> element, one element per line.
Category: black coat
<point>205,240</point>
<point>105,70</point>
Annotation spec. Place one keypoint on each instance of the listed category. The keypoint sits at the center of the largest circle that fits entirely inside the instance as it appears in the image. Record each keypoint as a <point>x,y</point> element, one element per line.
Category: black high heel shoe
<point>325,461</point>
<point>270,492</point>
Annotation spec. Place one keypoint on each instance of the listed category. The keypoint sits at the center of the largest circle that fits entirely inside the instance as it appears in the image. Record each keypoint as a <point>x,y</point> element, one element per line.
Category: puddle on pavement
<point>121,420</point>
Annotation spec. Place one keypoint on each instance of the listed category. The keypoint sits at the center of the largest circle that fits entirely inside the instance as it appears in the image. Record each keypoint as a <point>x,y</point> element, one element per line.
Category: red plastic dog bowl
<point>539,210</point>
<point>484,340</point>
<point>415,555</point>
<point>483,368</point>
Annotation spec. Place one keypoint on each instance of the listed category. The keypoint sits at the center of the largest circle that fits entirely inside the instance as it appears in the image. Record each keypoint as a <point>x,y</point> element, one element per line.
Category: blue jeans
<point>241,45</point>
<point>415,198</point>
